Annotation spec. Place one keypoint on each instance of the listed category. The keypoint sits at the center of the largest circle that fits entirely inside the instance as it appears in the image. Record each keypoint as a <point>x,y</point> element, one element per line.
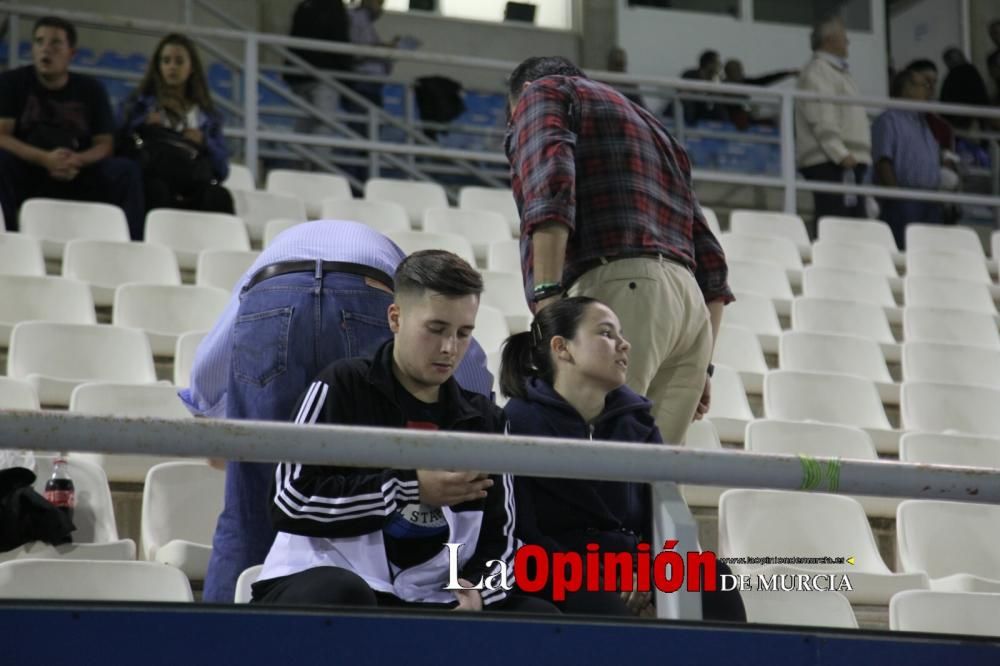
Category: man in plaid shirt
<point>608,211</point>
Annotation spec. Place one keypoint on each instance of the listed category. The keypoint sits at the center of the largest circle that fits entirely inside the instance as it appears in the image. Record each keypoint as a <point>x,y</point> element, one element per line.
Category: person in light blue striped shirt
<point>318,293</point>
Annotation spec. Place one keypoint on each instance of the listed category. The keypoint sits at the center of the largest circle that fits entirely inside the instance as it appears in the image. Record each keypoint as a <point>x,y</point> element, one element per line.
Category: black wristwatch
<point>710,369</point>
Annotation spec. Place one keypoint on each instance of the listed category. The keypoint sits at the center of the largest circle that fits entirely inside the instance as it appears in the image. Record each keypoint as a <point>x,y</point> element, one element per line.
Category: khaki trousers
<point>664,316</point>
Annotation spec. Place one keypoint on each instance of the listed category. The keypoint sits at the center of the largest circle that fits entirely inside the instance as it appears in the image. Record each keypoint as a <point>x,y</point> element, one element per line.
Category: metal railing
<point>661,465</point>
<point>473,162</point>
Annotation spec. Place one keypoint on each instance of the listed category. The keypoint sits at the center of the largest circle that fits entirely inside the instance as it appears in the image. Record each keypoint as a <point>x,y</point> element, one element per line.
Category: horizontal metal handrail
<point>261,441</point>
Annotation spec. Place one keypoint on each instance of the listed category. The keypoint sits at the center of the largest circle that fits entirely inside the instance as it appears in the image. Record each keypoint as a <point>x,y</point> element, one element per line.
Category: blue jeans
<point>287,330</point>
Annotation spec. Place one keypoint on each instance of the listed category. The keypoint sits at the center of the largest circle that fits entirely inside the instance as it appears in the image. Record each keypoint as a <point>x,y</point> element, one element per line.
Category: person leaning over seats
<point>608,211</point>
<point>375,537</point>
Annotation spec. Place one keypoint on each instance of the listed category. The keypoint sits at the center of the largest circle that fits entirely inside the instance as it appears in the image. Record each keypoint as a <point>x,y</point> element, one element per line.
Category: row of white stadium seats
<point>812,438</point>
<point>911,610</point>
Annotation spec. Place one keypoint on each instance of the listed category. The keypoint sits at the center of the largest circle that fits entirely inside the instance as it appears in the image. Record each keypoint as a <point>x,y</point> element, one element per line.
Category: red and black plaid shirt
<point>582,155</point>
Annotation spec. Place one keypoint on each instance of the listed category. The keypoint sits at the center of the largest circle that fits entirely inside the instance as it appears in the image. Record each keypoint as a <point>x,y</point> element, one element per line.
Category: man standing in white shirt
<point>832,140</point>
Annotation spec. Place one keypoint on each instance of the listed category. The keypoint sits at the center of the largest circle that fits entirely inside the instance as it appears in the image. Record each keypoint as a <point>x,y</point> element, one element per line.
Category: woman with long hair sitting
<point>565,377</point>
<point>173,128</point>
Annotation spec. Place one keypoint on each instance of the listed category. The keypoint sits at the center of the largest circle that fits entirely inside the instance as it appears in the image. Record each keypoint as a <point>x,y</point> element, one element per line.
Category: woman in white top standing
<point>172,127</point>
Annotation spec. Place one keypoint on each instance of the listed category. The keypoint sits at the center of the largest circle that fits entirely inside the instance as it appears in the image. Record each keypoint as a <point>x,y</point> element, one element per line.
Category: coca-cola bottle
<point>59,489</point>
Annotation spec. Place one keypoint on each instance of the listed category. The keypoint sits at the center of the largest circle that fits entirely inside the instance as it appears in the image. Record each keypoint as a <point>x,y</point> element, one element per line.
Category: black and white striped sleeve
<point>327,501</point>
<point>497,542</point>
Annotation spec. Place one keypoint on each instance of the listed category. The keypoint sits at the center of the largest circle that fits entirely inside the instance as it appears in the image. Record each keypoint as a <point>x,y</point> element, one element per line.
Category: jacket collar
<point>457,408</point>
<point>620,401</point>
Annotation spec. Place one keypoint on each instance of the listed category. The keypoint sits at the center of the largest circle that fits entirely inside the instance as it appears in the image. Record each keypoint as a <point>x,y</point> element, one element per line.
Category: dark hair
<point>706,57</point>
<point>61,24</point>
<point>527,354</point>
<point>900,80</point>
<point>536,68</point>
<point>196,88</point>
<point>438,271</point>
<point>922,65</point>
<point>993,59</point>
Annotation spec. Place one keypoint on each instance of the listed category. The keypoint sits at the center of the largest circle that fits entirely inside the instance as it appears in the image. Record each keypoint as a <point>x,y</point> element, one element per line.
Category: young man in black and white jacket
<point>375,537</point>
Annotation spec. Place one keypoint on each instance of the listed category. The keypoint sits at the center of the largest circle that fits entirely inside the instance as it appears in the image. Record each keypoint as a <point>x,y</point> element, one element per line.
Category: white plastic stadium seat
<point>866,320</point>
<point>53,222</point>
<point>941,238</point>
<point>959,327</point>
<point>273,228</point>
<point>504,256</point>
<point>126,401</point>
<point>945,613</point>
<point>952,364</point>
<point>762,523</point>
<point>382,216</point>
<point>769,250</point>
<point>239,178</point>
<point>702,435</point>
<point>505,291</point>
<point>712,220</point>
<point>936,292</point>
<point>804,609</point>
<point>853,230</point>
<point>757,313</point>
<point>829,398</point>
<point>55,357</point>
<point>96,534</point>
<point>954,543</point>
<point>934,407</point>
<point>951,265</point>
<point>854,257</point>
<point>93,581</point>
<point>244,584</point>
<point>730,410</point>
<point>414,241</point>
<point>184,353</point>
<point>17,394</point>
<point>257,208</point>
<point>187,233</point>
<point>480,227</point>
<point>105,265</point>
<point>819,439</point>
<point>931,448</point>
<point>222,269</point>
<point>165,312</point>
<point>498,200</point>
<point>818,282</point>
<point>491,328</point>
<point>838,353</point>
<point>309,186</point>
<point>777,225</point>
<point>33,298</point>
<point>181,502</point>
<point>20,255</point>
<point>765,279</point>
<point>414,196</point>
<point>739,348</point>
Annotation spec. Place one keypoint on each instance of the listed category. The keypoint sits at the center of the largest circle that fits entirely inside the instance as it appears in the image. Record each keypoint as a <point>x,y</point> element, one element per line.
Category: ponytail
<point>527,355</point>
<point>516,365</point>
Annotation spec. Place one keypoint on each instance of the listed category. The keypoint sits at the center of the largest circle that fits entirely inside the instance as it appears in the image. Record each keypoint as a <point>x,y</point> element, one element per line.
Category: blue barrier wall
<point>178,634</point>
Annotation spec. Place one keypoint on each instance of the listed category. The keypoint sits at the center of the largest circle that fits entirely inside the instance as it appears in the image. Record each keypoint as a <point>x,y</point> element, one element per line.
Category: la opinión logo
<point>535,568</point>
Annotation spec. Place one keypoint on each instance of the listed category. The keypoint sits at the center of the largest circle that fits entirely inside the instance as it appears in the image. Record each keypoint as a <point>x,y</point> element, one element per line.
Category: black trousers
<point>208,199</point>
<point>333,586</point>
<point>825,203</point>
<point>113,180</point>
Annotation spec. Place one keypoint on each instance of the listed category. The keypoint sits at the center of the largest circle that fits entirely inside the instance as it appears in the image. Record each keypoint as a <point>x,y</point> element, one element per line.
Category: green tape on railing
<point>815,473</point>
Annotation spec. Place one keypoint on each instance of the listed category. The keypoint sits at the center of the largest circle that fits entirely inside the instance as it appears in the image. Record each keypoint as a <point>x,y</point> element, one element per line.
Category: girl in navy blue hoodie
<point>566,378</point>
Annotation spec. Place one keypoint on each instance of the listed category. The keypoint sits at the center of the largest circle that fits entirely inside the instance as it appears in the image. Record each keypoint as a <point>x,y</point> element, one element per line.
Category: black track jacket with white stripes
<point>342,510</point>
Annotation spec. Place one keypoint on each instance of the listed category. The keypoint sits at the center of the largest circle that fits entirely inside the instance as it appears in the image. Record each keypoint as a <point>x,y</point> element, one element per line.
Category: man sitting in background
<point>56,133</point>
<point>906,154</point>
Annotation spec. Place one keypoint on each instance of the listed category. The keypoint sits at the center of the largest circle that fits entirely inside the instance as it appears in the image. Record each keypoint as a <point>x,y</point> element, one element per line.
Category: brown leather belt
<point>591,264</point>
<point>286,267</point>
